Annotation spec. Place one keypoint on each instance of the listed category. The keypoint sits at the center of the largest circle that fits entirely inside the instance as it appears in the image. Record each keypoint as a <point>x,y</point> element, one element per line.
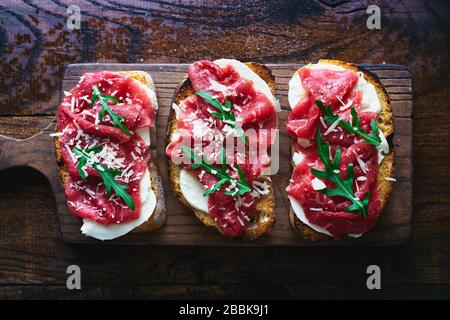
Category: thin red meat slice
<point>100,208</point>
<point>333,215</point>
<point>86,121</point>
<point>302,121</point>
<point>134,102</point>
<point>328,86</point>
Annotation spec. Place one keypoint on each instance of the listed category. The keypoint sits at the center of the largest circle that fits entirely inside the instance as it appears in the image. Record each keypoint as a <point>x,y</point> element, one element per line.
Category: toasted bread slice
<point>385,122</point>
<point>158,216</point>
<point>265,207</point>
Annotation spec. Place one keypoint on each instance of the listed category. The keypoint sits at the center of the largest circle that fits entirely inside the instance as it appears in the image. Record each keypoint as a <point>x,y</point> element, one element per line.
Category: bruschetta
<point>341,124</point>
<point>102,147</point>
<point>224,100</point>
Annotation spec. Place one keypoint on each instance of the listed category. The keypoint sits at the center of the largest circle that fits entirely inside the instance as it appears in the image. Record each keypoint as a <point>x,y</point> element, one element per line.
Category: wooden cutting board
<point>182,227</point>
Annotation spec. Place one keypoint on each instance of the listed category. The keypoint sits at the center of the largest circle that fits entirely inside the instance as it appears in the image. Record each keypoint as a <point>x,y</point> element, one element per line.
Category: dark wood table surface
<point>36,45</point>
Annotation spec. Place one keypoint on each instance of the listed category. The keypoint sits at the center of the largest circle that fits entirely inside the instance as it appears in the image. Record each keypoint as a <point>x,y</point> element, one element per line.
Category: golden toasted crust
<point>265,207</point>
<point>385,121</point>
<point>155,220</point>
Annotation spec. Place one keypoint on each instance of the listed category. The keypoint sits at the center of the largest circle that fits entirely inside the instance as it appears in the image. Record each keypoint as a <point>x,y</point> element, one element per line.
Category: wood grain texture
<point>35,47</point>
<point>182,227</point>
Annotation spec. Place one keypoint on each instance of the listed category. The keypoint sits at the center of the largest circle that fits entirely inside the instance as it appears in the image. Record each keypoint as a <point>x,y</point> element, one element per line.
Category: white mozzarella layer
<point>144,133</point>
<point>296,90</point>
<point>150,92</point>
<point>298,210</point>
<point>192,191</point>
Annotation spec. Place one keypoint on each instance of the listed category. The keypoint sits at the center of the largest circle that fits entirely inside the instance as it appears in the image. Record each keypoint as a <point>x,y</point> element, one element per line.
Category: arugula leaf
<point>215,187</point>
<point>209,99</point>
<point>242,184</point>
<point>354,127</point>
<point>117,119</point>
<point>344,188</point>
<point>225,114</point>
<point>85,154</point>
<point>107,175</point>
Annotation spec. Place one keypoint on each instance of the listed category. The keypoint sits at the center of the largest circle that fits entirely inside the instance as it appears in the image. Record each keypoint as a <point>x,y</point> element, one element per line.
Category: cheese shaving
<point>218,87</point>
<point>318,184</point>
<point>260,187</point>
<point>361,163</point>
<point>333,126</point>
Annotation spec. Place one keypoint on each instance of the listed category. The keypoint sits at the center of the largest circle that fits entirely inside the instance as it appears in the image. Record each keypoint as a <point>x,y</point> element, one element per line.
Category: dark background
<point>35,46</point>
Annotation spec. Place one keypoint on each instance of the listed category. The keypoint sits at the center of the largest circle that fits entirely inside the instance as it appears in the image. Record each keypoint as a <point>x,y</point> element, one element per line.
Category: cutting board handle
<point>30,152</point>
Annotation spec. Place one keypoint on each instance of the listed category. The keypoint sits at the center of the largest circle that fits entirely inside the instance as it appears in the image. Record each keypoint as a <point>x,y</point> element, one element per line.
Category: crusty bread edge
<point>265,207</point>
<point>158,216</point>
<point>385,121</point>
